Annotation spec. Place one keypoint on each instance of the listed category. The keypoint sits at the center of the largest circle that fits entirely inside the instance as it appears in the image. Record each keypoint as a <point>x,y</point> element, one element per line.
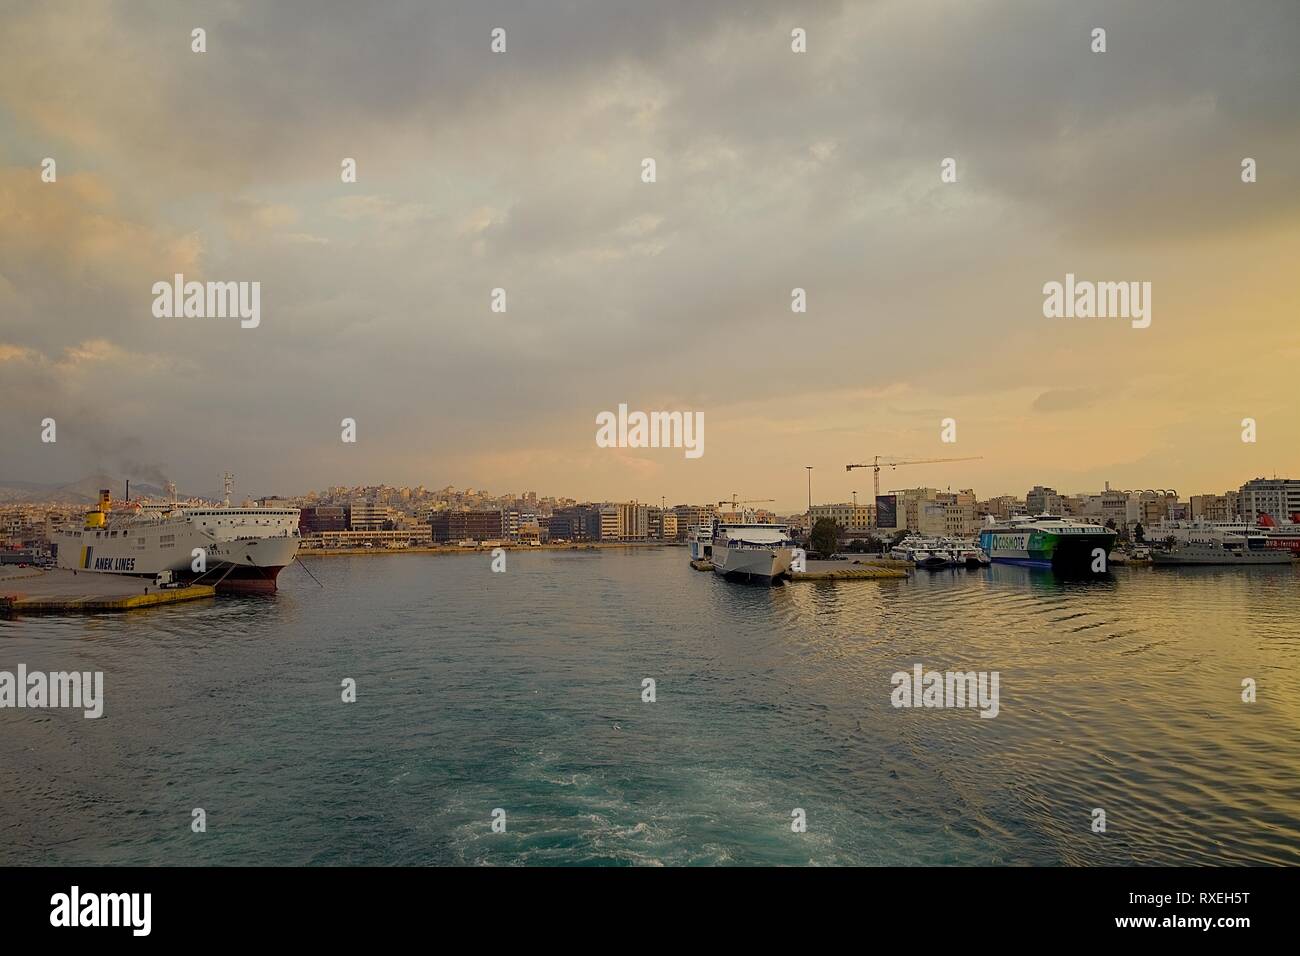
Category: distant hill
<point>82,492</point>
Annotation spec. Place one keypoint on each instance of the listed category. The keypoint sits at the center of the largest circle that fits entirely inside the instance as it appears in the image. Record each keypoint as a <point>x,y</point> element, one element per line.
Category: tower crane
<point>887,461</point>
<point>734,501</point>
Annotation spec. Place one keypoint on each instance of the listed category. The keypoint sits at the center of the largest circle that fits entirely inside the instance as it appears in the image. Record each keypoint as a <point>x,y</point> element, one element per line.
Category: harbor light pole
<point>810,468</point>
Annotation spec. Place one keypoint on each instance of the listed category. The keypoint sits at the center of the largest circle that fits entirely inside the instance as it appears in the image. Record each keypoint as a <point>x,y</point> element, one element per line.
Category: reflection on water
<point>523,691</point>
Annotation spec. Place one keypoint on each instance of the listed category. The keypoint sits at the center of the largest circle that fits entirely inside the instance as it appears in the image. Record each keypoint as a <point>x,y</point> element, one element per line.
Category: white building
<point>624,521</point>
<point>1278,497</point>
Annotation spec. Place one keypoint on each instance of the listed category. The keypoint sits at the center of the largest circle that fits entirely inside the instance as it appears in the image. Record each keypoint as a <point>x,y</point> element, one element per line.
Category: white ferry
<point>751,551</point>
<point>235,549</point>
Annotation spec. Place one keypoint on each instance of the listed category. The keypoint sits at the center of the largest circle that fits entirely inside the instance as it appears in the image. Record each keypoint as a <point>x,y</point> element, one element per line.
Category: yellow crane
<point>887,461</point>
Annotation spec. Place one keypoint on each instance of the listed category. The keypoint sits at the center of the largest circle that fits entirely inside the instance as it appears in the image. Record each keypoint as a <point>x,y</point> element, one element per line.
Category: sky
<point>775,170</point>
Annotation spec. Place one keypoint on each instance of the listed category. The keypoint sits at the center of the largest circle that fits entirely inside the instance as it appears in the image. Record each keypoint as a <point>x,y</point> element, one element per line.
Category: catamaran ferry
<point>235,549</point>
<point>1045,541</point>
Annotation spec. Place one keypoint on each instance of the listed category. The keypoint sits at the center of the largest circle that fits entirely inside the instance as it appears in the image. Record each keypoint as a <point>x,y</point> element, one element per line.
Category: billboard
<point>887,511</point>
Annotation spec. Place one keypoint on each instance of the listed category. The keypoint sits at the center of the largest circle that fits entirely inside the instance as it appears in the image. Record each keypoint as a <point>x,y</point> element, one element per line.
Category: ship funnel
<point>95,519</point>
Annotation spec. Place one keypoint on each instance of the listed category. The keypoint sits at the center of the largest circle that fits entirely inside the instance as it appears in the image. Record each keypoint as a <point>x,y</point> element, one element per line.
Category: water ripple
<point>522,691</point>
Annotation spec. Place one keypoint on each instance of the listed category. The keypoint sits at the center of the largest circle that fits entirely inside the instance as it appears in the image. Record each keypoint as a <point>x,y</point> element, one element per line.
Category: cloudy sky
<point>775,170</point>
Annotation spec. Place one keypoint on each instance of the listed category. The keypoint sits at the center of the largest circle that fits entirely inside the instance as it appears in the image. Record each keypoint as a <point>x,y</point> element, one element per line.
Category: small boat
<point>700,539</point>
<point>967,553</point>
<point>926,553</point>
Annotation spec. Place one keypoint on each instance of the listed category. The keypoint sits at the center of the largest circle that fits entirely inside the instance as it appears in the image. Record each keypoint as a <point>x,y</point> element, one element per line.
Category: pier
<point>57,590</point>
<point>867,569</point>
<point>872,570</point>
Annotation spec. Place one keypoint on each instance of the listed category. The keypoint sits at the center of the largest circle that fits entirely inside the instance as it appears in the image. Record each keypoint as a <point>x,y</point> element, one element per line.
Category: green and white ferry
<point>1046,541</point>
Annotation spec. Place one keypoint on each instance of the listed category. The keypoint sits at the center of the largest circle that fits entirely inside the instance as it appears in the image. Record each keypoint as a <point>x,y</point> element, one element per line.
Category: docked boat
<point>1135,554</point>
<point>751,551</point>
<point>927,553</point>
<point>1279,536</point>
<point>235,549</point>
<point>1046,541</point>
<point>700,539</point>
<point>967,553</point>
<point>1205,543</point>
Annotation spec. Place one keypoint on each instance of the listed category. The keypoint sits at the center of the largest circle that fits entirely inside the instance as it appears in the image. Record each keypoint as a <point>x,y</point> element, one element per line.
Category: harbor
<point>523,690</point>
<point>61,591</point>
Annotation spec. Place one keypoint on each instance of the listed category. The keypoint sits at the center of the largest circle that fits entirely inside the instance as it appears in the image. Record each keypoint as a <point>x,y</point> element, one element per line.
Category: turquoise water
<point>522,691</point>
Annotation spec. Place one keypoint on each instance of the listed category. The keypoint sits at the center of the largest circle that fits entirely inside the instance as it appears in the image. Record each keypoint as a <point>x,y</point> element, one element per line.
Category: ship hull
<point>1270,557</point>
<point>1047,549</point>
<point>762,565</point>
<point>241,579</point>
<point>206,547</point>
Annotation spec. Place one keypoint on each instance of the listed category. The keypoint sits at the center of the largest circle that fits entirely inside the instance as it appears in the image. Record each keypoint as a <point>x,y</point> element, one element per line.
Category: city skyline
<point>364,491</point>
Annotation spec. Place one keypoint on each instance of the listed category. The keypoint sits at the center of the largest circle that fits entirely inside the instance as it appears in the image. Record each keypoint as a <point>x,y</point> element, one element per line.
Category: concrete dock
<point>871,569</point>
<point>848,571</point>
<point>56,590</point>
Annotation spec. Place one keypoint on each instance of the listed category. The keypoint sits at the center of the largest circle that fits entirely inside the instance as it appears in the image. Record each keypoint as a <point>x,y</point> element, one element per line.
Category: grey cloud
<point>775,171</point>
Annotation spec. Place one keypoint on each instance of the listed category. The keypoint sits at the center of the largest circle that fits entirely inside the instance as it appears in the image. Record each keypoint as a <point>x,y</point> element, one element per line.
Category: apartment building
<point>1224,507</point>
<point>847,515</point>
<point>368,515</point>
<point>1277,497</point>
<point>1040,500</point>
<point>451,526</point>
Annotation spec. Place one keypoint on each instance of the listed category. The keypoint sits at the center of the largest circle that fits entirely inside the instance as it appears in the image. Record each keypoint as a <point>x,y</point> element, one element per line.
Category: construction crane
<point>734,501</point>
<point>876,464</point>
